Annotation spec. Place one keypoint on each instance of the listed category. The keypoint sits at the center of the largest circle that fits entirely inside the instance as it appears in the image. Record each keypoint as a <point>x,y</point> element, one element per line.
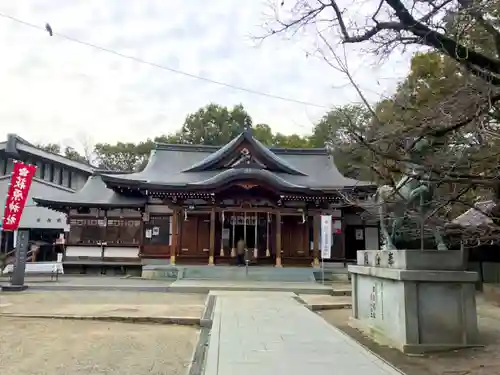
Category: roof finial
<point>248,130</point>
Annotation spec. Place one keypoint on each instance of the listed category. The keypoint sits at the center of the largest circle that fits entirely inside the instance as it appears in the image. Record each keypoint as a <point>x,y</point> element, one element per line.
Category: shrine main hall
<point>191,204</point>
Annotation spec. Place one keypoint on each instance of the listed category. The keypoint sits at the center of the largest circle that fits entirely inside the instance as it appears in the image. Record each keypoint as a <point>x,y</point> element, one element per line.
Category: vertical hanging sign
<point>20,183</point>
<point>326,236</point>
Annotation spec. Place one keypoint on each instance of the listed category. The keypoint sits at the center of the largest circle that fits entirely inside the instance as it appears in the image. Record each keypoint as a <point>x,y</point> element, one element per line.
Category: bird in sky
<point>49,29</point>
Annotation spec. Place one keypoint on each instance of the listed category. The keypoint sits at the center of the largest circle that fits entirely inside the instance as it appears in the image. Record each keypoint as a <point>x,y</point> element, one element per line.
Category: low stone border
<point>207,316</point>
<point>123,319</point>
<point>200,353</point>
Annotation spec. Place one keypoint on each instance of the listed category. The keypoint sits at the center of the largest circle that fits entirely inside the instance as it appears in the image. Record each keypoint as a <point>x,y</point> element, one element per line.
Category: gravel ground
<point>480,361</point>
<point>56,347</point>
<point>89,280</point>
<point>105,297</point>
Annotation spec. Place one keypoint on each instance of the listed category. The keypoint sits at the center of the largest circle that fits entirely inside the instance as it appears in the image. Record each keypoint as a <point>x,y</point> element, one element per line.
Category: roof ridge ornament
<point>244,141</point>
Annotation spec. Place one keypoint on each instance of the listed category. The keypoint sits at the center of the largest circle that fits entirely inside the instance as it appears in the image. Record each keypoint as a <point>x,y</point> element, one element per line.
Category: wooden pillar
<point>278,239</point>
<point>316,230</point>
<point>103,231</point>
<point>233,245</point>
<point>175,236</point>
<point>255,246</point>
<point>212,237</point>
<point>268,252</point>
<point>222,234</point>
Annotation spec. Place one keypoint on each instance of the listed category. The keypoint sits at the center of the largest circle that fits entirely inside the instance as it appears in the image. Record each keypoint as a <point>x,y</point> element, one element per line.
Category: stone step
<point>206,286</point>
<point>322,302</point>
<point>341,292</point>
<point>253,273</point>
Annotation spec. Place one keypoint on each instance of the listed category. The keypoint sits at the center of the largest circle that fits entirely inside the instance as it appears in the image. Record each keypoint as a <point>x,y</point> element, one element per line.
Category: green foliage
<point>215,125</point>
<point>119,157</point>
<point>68,152</point>
<point>71,153</point>
<point>290,141</point>
<point>50,147</point>
<point>337,130</point>
<point>264,134</point>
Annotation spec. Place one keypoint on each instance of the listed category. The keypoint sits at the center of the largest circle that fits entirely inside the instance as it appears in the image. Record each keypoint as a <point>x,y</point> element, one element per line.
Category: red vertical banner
<point>20,183</point>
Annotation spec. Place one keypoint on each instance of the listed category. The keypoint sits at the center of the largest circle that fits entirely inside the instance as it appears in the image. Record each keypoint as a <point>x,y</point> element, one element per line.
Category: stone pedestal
<point>416,301</point>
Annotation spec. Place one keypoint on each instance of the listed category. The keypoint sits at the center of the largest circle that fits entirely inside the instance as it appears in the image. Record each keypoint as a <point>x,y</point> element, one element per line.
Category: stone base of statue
<point>415,301</point>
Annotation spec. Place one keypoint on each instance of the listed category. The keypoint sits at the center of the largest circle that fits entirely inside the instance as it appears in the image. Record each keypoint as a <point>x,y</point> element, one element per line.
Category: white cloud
<point>54,90</point>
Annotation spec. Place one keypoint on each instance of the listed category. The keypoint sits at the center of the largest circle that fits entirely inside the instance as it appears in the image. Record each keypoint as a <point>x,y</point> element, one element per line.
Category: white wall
<point>97,252</point>
<point>33,216</point>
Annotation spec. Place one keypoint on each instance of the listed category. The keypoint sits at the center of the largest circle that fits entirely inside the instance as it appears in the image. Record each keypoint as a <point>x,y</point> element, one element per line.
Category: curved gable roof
<point>94,194</point>
<point>271,160</point>
<point>185,167</point>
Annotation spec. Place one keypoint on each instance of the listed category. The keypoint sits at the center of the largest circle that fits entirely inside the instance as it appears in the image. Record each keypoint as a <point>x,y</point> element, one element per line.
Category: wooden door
<point>189,236</point>
<point>294,237</point>
<point>203,240</point>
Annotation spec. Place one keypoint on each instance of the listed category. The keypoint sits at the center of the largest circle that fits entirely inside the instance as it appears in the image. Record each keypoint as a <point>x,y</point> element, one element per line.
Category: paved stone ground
<point>57,347</point>
<point>478,361</point>
<point>274,334</point>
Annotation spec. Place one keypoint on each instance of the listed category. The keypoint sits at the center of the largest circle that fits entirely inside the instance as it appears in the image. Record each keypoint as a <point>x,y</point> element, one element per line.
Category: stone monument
<point>17,280</point>
<point>414,300</point>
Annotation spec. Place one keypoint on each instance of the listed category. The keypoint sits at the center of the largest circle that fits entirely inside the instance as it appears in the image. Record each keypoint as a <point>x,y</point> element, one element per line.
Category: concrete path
<point>255,333</point>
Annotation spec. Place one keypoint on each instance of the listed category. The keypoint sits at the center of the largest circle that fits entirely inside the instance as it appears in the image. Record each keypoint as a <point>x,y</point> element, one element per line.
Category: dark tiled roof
<point>273,162</point>
<point>191,166</point>
<point>93,194</point>
<point>475,217</point>
<point>15,144</point>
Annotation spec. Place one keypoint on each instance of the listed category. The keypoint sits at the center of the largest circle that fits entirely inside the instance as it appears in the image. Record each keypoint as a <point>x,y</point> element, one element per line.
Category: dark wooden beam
<point>278,239</point>
<point>212,237</point>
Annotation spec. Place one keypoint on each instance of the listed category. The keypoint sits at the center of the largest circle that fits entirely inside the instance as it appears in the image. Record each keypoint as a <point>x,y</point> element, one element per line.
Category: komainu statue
<point>409,194</point>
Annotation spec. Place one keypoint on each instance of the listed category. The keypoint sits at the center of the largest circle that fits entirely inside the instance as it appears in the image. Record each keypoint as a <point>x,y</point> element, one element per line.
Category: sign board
<point>359,234</point>
<point>19,186</point>
<point>326,236</point>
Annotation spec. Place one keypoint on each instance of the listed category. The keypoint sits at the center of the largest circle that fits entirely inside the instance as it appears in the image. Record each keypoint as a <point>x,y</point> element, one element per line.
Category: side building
<point>192,204</point>
<point>55,174</point>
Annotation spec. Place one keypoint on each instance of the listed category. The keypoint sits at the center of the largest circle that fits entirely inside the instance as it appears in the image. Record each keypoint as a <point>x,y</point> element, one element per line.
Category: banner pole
<point>322,269</point>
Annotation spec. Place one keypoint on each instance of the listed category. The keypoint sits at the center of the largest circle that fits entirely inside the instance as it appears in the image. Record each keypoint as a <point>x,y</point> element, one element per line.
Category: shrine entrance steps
<point>246,274</point>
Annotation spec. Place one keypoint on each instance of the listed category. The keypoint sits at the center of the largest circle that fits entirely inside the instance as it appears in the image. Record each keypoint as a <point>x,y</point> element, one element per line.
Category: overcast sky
<point>55,90</point>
